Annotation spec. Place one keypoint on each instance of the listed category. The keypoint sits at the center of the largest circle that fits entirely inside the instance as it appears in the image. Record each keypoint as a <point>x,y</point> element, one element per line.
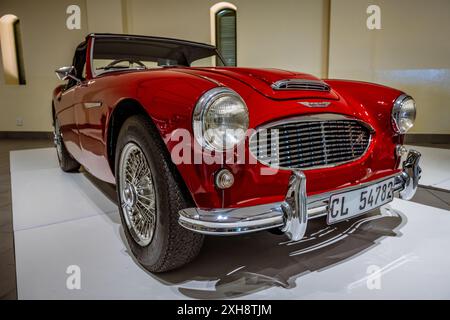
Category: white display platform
<point>437,164</point>
<point>63,219</point>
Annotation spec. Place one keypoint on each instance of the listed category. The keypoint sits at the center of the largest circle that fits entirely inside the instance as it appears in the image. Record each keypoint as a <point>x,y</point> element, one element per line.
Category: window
<point>226,35</point>
<point>11,47</point>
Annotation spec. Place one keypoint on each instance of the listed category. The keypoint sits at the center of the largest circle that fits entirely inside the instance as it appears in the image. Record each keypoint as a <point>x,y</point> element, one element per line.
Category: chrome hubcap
<point>129,196</point>
<point>137,194</point>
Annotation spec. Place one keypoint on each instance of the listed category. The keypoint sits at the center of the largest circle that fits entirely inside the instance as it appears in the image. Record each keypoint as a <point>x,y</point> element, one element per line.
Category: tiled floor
<point>77,223</point>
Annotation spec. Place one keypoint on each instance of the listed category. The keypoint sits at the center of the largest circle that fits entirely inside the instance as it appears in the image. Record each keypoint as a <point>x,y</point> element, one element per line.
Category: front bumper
<point>292,214</point>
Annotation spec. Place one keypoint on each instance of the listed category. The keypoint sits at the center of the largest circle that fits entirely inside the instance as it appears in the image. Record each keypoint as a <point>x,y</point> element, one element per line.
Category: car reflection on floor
<point>250,263</point>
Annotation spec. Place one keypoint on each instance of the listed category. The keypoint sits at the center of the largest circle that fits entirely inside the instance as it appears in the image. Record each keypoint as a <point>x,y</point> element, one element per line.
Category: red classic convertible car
<point>195,147</point>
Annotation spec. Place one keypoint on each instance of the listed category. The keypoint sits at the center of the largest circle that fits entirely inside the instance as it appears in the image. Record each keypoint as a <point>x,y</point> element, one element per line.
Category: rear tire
<point>66,162</point>
<point>149,202</point>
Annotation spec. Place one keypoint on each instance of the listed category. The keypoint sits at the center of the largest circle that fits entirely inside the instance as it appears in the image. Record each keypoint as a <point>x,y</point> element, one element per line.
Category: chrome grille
<point>309,144</point>
<point>300,84</point>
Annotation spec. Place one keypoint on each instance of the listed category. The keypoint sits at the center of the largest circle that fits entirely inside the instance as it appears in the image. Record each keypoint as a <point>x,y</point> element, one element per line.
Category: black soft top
<point>154,38</point>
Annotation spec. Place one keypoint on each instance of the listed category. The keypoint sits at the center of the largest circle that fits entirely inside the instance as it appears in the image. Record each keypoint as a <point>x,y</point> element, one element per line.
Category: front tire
<point>150,195</point>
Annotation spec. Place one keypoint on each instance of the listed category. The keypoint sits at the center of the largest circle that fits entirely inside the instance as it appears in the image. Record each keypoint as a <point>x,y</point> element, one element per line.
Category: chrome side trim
<point>90,105</point>
<point>321,104</point>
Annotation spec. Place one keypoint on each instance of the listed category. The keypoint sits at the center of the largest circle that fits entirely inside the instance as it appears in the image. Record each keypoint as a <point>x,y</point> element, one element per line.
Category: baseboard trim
<point>42,135</point>
<point>427,138</point>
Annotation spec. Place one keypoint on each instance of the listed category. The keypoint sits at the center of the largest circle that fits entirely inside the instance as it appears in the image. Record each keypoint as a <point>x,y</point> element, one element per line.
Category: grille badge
<point>315,104</point>
<point>360,137</point>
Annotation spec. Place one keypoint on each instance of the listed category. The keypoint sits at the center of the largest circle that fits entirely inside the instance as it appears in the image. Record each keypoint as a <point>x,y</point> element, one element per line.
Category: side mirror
<point>65,73</point>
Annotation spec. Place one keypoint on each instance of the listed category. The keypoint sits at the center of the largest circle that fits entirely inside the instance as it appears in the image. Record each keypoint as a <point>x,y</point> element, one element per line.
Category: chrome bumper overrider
<point>291,215</point>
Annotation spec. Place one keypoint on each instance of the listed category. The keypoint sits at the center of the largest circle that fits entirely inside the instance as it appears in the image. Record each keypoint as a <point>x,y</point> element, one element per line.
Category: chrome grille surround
<point>311,142</point>
<point>300,84</point>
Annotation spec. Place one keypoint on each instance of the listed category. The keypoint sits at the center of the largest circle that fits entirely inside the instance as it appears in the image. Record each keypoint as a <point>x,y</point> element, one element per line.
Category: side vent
<point>300,84</point>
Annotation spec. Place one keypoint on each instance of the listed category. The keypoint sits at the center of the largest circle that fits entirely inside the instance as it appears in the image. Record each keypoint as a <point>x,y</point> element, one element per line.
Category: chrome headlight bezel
<point>204,105</point>
<point>399,115</point>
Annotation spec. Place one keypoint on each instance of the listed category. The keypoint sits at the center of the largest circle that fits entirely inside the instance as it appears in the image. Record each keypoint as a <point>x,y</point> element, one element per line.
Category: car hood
<point>261,80</point>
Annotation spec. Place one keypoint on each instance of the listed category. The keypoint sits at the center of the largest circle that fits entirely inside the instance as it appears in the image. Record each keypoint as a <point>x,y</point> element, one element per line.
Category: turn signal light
<point>224,179</point>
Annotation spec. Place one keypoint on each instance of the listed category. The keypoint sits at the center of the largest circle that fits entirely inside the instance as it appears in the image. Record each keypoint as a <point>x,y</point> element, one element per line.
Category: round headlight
<point>403,113</point>
<point>220,119</point>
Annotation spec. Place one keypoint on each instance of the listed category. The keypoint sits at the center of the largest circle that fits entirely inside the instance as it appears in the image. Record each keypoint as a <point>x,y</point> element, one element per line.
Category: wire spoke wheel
<point>137,194</point>
<point>150,195</point>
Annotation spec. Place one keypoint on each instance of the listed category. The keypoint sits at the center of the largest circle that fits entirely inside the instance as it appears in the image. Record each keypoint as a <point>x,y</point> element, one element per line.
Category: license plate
<point>350,204</point>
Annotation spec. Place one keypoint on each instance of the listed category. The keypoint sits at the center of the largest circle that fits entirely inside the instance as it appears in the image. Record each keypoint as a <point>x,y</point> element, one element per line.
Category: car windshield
<point>119,53</point>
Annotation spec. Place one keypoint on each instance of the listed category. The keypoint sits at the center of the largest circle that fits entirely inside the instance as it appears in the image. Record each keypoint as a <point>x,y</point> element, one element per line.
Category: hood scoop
<point>301,84</point>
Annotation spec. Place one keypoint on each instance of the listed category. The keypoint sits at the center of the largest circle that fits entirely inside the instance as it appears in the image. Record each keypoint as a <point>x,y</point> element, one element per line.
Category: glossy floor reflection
<point>395,253</point>
<point>268,263</point>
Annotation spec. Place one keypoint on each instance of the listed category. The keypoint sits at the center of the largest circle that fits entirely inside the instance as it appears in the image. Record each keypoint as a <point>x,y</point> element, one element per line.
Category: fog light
<point>400,150</point>
<point>224,179</point>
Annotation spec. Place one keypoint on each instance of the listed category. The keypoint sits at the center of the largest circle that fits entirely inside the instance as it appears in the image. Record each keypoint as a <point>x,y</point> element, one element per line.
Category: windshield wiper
<point>112,67</point>
<point>121,67</point>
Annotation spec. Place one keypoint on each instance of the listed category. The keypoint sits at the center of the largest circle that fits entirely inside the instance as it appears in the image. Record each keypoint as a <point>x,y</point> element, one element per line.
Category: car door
<point>65,103</point>
<point>91,116</point>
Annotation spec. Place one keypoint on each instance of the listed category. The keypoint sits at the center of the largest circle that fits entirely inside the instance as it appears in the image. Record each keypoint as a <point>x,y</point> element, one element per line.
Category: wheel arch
<point>124,109</point>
